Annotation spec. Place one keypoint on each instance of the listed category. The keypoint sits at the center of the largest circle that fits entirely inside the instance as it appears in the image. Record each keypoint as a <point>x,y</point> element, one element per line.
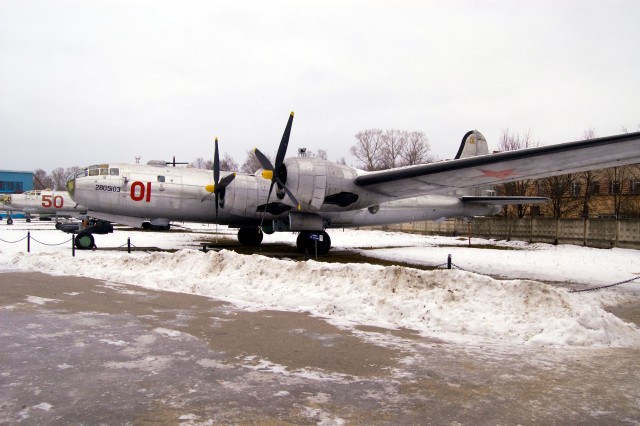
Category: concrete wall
<point>600,233</point>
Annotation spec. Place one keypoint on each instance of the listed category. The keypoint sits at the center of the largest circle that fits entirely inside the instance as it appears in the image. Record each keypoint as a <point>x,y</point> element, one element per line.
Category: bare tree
<point>587,178</point>
<point>41,180</point>
<point>416,149</point>
<point>201,163</point>
<point>59,178</point>
<point>393,145</point>
<point>511,142</point>
<point>559,189</point>
<point>228,164</point>
<point>368,148</point>
<point>377,149</point>
<point>251,163</point>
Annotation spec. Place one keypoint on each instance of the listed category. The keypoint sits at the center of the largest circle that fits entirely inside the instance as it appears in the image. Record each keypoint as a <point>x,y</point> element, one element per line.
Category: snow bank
<point>452,305</point>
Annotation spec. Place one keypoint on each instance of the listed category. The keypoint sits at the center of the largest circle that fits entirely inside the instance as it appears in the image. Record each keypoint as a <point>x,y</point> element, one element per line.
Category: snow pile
<point>452,305</point>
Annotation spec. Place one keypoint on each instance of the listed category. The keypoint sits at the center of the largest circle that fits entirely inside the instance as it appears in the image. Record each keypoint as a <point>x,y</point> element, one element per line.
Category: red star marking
<point>500,174</point>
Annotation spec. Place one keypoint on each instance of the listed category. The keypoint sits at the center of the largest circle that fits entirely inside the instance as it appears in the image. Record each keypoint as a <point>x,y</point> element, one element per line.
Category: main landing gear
<point>308,242</point>
<point>250,236</point>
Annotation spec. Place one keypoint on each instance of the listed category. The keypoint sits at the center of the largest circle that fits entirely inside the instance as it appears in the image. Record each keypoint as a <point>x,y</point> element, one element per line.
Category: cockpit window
<point>114,171</point>
<point>81,173</point>
<point>104,172</point>
<point>94,172</point>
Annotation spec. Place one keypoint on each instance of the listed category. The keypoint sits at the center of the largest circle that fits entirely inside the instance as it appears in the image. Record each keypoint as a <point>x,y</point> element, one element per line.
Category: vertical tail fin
<point>472,145</point>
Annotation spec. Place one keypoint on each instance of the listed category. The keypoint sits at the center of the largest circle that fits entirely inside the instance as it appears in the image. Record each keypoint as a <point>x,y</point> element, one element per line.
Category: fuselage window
<point>114,171</point>
<point>160,178</point>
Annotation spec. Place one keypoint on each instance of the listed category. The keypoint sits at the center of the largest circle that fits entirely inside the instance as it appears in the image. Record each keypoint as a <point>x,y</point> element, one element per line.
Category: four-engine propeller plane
<point>312,195</point>
<point>45,203</point>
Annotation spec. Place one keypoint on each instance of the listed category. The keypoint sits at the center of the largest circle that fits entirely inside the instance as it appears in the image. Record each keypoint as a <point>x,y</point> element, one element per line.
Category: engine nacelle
<point>318,183</point>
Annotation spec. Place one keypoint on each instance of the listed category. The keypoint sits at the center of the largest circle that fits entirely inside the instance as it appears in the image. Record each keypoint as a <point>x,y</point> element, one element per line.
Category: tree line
<point>612,192</point>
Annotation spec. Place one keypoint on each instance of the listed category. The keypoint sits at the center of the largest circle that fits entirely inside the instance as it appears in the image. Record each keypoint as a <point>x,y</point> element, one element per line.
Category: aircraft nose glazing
<point>71,185</point>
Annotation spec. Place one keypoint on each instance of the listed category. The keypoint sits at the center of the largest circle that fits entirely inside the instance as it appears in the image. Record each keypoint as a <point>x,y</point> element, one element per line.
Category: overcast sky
<point>85,82</point>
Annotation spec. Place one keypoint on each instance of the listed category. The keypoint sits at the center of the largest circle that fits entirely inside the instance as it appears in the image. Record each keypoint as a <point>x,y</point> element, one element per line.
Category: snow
<point>512,293</point>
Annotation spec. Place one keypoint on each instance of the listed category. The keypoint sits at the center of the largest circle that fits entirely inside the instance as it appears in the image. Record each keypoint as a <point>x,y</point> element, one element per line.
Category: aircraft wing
<point>492,169</point>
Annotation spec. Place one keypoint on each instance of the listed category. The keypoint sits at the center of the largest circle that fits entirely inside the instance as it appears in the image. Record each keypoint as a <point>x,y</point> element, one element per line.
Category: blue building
<point>15,182</point>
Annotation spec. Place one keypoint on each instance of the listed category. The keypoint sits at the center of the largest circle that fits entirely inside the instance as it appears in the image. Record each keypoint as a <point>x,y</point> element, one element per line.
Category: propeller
<point>277,173</point>
<point>219,185</point>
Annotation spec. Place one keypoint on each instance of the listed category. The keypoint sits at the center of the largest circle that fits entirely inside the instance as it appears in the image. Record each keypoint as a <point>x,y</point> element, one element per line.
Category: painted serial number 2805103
<point>107,188</point>
<point>139,191</point>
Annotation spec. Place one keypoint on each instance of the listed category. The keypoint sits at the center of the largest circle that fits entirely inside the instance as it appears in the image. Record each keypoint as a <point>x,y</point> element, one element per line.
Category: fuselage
<point>149,192</point>
<point>42,202</point>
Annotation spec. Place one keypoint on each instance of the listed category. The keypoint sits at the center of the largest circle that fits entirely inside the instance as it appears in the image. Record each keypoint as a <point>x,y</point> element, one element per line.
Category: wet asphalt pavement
<point>83,351</point>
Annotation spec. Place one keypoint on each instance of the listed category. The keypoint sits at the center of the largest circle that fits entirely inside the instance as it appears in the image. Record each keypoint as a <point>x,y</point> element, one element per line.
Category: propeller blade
<point>265,163</point>
<point>284,143</point>
<point>266,204</point>
<point>290,194</point>
<point>216,164</point>
<point>225,181</point>
<point>270,171</point>
<point>216,209</point>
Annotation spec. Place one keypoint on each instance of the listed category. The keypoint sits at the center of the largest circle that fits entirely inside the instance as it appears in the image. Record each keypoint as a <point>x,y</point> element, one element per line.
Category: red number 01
<point>139,192</point>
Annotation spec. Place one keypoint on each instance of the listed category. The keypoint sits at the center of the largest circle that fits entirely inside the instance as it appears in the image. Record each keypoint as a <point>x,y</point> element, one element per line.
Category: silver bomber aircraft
<point>44,203</point>
<point>312,195</point>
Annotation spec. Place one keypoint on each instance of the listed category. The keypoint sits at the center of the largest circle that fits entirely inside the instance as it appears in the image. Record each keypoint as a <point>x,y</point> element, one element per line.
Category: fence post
<point>73,244</point>
<point>129,245</point>
<point>28,241</point>
<point>449,262</point>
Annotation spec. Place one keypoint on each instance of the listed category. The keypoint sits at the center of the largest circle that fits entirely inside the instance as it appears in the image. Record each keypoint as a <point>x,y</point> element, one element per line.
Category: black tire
<point>9,221</point>
<point>251,237</point>
<point>306,244</point>
<point>84,241</point>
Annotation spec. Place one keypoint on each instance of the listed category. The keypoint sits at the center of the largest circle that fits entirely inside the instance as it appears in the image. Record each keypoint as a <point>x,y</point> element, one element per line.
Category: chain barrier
<point>13,242</point>
<point>451,265</point>
<point>50,244</point>
<point>603,286</point>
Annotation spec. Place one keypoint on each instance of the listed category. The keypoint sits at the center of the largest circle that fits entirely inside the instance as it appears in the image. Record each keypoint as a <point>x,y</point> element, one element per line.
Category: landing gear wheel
<point>84,241</point>
<point>9,221</point>
<point>28,220</point>
<point>306,244</point>
<point>250,236</point>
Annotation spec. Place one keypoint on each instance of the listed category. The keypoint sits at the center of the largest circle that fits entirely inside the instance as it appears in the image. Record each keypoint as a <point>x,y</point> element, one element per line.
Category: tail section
<point>472,145</point>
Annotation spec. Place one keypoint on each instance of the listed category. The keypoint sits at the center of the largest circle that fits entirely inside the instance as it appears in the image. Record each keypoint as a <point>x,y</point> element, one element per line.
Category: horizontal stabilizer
<point>504,200</point>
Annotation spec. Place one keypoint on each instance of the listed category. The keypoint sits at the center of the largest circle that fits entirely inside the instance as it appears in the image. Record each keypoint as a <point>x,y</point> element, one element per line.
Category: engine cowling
<point>320,184</point>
